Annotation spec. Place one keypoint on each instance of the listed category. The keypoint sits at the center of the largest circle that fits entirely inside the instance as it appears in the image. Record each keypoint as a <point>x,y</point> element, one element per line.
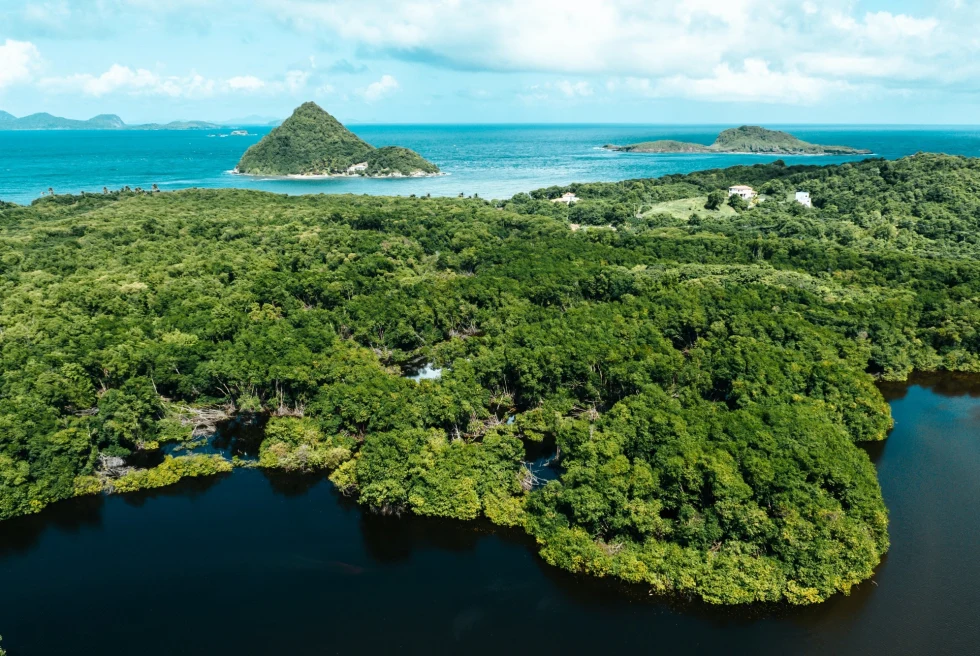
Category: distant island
<point>311,142</point>
<point>747,139</point>
<point>45,121</point>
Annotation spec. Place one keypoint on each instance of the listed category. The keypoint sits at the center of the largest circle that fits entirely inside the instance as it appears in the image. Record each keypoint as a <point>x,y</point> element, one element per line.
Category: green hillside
<point>312,142</point>
<point>754,139</point>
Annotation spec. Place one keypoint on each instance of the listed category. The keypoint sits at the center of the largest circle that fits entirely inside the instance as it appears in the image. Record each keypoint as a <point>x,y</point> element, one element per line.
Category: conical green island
<point>312,142</point>
<point>746,139</point>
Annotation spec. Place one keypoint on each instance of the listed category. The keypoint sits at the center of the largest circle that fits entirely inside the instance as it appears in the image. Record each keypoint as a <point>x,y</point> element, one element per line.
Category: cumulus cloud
<point>138,81</point>
<point>245,83</point>
<point>18,62</point>
<point>144,82</point>
<point>703,42</point>
<point>793,51</point>
<point>383,88</point>
<point>753,82</point>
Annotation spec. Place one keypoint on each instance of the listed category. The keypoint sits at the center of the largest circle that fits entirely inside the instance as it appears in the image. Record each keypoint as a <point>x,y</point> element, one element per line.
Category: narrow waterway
<point>250,563</point>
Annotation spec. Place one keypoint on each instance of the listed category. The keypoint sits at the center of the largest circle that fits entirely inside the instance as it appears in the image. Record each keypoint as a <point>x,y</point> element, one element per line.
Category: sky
<point>499,61</point>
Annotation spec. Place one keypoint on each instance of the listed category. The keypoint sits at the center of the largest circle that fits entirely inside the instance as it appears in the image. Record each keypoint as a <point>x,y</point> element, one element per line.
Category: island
<point>45,121</point>
<point>680,402</point>
<point>311,142</point>
<point>748,139</point>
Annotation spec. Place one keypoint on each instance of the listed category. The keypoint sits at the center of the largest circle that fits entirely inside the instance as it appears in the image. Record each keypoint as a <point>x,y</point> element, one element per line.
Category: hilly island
<point>45,121</point>
<point>311,142</point>
<point>743,140</point>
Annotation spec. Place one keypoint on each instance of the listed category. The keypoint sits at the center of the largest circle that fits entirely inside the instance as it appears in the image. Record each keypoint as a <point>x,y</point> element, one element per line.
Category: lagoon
<point>256,563</point>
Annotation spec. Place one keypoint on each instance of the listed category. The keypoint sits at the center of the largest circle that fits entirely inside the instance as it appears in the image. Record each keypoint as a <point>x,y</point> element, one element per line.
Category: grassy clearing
<point>685,207</point>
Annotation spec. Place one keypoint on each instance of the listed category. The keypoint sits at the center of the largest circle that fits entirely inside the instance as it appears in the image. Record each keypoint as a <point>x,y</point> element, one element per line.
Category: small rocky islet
<point>748,139</point>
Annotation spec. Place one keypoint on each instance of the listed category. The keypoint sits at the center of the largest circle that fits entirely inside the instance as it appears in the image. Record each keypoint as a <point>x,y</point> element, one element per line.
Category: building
<point>568,198</point>
<point>803,198</point>
<point>745,192</point>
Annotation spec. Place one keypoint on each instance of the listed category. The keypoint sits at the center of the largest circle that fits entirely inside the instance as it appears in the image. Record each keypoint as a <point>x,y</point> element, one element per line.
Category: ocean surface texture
<point>492,161</point>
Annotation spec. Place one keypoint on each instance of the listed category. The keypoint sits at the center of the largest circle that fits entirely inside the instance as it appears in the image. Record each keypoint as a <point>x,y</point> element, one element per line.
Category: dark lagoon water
<point>256,564</point>
<point>494,161</point>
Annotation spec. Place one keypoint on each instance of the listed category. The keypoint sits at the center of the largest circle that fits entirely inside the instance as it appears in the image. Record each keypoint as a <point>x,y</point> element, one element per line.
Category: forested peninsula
<point>311,142</point>
<point>704,379</point>
<point>748,139</point>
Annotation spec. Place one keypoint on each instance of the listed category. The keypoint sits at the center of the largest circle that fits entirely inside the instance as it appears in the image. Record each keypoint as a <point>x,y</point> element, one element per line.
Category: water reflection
<point>300,562</point>
<point>292,484</point>
<point>941,383</point>
<point>21,534</point>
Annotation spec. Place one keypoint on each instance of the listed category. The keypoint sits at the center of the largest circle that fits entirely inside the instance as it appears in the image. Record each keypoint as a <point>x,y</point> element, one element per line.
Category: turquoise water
<point>492,161</point>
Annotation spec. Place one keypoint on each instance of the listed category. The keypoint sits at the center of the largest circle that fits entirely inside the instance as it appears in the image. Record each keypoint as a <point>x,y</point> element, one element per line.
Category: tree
<point>737,203</point>
<point>715,200</point>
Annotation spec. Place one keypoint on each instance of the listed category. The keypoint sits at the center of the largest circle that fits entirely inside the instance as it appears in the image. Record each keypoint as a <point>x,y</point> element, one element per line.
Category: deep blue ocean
<point>494,161</point>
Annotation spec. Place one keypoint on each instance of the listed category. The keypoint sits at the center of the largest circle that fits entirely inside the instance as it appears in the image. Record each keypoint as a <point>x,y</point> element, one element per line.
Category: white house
<point>803,198</point>
<point>568,198</point>
<point>745,192</point>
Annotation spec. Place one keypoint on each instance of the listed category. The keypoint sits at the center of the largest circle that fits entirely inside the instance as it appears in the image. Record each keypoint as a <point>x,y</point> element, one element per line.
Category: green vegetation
<point>684,208</point>
<point>312,142</point>
<point>395,161</point>
<point>704,382</point>
<point>171,471</point>
<point>746,139</point>
<point>45,121</point>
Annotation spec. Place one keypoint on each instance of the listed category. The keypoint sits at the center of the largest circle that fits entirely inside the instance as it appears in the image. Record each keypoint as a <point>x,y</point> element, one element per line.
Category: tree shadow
<point>20,534</point>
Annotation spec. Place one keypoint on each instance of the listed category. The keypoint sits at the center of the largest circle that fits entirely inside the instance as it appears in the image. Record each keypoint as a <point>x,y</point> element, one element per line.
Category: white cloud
<point>384,87</point>
<point>755,82</point>
<point>245,83</point>
<point>788,51</point>
<point>855,67</point>
<point>884,27</point>
<point>18,62</point>
<point>127,80</point>
<point>706,42</point>
<point>141,81</point>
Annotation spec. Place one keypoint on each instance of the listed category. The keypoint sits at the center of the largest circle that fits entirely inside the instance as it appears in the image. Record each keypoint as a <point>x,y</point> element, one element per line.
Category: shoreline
<point>331,176</point>
<point>623,149</point>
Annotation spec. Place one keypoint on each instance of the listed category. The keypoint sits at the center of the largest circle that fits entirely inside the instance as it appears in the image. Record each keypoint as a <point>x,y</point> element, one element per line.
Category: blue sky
<point>469,61</point>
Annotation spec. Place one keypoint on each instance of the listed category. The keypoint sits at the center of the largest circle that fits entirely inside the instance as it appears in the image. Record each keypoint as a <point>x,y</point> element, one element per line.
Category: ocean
<point>493,161</point>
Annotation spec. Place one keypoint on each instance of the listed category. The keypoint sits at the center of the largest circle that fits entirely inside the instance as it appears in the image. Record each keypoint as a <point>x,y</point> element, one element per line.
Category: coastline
<point>331,176</point>
<point>624,149</point>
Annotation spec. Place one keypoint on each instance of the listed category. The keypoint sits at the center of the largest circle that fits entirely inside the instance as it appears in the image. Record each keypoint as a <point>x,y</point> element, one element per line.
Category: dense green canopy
<point>703,380</point>
<point>312,142</point>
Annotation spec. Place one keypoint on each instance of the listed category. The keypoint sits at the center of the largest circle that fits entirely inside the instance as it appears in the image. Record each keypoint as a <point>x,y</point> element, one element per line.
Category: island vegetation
<point>704,381</point>
<point>312,142</point>
<point>45,121</point>
<point>748,139</point>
